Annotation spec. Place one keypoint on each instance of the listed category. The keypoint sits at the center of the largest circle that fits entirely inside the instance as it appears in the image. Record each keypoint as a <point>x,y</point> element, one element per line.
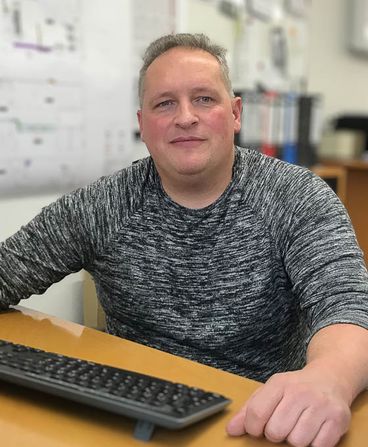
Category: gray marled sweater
<point>241,284</point>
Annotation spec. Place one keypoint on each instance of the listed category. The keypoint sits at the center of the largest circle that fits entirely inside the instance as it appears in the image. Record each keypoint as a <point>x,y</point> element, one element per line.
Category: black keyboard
<point>150,400</point>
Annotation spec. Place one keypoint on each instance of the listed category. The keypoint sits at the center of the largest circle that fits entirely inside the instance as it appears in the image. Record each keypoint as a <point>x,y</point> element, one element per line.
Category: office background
<point>109,40</point>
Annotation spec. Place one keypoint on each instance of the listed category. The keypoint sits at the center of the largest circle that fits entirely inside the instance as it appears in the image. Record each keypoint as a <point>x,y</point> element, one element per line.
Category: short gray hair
<point>193,41</point>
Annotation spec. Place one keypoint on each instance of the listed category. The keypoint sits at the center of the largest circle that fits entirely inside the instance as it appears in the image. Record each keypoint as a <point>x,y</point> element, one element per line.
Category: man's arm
<point>311,406</point>
<point>52,245</point>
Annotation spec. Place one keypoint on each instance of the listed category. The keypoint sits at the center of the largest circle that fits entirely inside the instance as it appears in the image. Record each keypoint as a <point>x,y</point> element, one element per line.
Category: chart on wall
<point>65,91</point>
<point>271,45</point>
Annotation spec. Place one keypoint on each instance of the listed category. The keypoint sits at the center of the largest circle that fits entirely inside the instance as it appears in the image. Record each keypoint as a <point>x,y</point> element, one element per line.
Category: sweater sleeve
<point>323,260</point>
<point>58,241</point>
<point>69,234</point>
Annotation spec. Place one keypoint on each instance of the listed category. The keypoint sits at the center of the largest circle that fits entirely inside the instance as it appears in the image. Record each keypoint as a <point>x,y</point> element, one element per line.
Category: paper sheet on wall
<point>65,93</point>
<point>273,52</point>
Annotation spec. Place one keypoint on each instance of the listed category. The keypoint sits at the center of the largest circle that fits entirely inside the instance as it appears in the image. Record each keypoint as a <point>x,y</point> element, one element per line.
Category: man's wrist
<point>337,376</point>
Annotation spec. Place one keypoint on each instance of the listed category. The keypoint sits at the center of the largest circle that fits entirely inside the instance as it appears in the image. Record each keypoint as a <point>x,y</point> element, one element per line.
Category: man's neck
<point>195,196</point>
<point>197,192</point>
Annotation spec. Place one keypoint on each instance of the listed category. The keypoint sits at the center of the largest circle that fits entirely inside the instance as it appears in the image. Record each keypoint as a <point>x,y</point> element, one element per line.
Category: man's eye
<point>166,103</point>
<point>205,99</point>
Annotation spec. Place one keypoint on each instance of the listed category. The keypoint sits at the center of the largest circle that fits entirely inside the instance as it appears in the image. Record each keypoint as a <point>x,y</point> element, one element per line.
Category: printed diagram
<point>43,148</point>
<point>41,95</point>
<point>40,26</point>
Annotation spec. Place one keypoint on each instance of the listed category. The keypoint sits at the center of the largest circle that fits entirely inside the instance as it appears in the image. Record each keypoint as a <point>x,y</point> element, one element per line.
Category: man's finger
<point>236,426</point>
<point>253,417</point>
<point>330,434</point>
<point>260,408</point>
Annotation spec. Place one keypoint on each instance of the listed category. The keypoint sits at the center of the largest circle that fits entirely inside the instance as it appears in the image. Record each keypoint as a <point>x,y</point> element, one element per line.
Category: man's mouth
<point>186,139</point>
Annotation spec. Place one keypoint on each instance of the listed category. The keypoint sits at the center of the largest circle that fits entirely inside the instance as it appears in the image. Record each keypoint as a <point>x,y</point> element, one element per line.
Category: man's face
<point>188,118</point>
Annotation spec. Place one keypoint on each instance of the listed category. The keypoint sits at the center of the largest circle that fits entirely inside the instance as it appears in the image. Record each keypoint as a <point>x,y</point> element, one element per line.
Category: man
<point>215,253</point>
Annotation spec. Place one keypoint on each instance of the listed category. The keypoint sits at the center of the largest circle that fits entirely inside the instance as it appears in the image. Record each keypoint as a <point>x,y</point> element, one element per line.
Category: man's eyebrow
<point>161,95</point>
<point>203,89</point>
<point>194,90</point>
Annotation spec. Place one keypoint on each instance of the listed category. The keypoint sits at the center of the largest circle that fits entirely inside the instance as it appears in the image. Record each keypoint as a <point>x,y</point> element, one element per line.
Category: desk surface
<point>29,418</point>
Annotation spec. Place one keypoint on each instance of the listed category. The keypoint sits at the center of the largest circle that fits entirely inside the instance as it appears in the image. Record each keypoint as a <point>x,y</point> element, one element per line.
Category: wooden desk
<point>28,418</point>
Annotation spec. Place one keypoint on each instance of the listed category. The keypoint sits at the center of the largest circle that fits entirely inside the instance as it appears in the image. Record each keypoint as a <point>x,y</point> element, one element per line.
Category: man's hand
<point>304,408</point>
<point>311,406</point>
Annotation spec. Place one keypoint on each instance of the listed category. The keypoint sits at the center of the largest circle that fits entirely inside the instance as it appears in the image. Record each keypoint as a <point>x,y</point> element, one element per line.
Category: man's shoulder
<point>131,175</point>
<point>274,187</point>
<point>113,191</point>
<point>118,182</point>
<point>269,175</point>
<point>256,161</point>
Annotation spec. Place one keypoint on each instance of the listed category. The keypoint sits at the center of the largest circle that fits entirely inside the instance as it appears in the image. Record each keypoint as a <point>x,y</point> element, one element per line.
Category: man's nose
<point>186,115</point>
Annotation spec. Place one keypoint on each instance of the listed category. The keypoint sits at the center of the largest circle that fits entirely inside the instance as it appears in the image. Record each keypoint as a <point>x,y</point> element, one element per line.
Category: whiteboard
<point>69,75</point>
<point>67,91</point>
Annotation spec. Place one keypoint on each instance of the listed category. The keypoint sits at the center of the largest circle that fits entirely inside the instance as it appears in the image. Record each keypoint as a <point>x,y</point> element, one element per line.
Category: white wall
<point>341,76</point>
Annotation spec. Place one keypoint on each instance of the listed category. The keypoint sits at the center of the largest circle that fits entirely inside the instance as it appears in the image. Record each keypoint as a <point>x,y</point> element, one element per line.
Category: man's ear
<point>237,106</point>
<point>139,116</point>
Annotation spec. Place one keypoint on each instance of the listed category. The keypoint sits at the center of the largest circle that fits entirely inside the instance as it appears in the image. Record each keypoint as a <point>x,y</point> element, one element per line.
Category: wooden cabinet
<point>349,179</point>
